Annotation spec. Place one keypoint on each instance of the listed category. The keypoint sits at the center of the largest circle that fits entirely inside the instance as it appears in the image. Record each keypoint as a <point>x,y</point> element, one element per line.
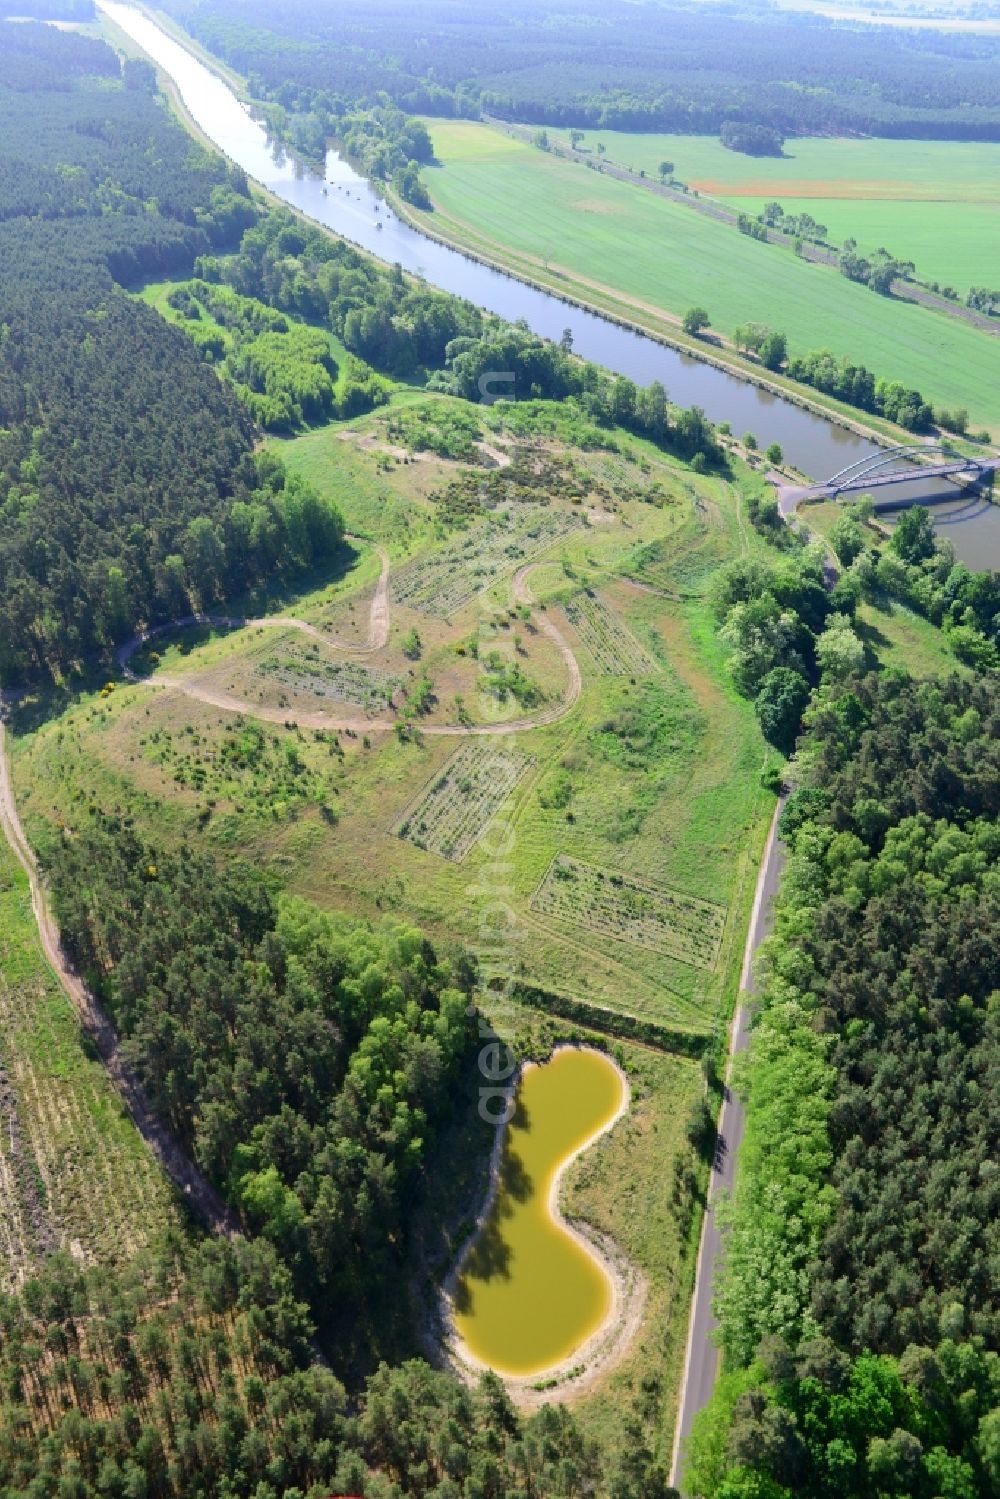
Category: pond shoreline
<point>606,1345</point>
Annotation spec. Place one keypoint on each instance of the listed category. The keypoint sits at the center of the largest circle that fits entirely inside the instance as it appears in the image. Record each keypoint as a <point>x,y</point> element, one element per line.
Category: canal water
<point>529,1293</point>
<point>346,202</point>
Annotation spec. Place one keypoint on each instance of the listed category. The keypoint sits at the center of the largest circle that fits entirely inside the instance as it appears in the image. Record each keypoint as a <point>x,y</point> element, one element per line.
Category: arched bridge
<point>890,466</point>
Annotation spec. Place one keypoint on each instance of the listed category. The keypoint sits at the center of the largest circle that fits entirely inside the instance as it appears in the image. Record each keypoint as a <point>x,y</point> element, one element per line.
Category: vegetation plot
<point>456,810</point>
<point>74,1174</point>
<point>630,910</point>
<point>441,583</point>
<point>344,681</point>
<point>615,650</point>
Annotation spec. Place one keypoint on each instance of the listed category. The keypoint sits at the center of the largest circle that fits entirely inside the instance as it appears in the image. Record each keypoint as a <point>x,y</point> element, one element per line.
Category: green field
<point>570,224</point>
<point>936,203</point>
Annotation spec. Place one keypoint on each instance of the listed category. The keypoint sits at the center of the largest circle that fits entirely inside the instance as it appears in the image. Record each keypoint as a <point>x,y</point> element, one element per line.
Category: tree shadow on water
<point>490,1256</point>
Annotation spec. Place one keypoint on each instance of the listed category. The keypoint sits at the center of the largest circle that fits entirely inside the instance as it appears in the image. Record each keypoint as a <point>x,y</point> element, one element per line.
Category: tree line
<point>309,1064</point>
<point>402,326</point>
<point>920,569</point>
<point>842,378</point>
<point>857,1305</point>
<point>192,1372</point>
<point>283,369</point>
<point>306,1065</point>
<point>600,63</point>
<point>784,629</point>
<point>385,144</point>
<point>129,492</point>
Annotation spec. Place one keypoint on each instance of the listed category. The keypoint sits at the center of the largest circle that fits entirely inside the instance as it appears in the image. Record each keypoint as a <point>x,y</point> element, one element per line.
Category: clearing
<point>74,1173</point>
<point>633,754</point>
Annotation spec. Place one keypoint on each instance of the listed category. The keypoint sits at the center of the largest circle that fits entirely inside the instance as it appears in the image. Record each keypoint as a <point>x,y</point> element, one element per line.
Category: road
<point>701,1364</point>
<point>190,1183</point>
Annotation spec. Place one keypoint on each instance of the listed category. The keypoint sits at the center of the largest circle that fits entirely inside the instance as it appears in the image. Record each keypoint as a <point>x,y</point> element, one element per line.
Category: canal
<point>346,202</point>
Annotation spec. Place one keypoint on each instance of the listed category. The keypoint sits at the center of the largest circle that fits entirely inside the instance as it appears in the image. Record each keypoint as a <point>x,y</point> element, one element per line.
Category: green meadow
<point>654,771</point>
<point>566,225</point>
<point>936,203</point>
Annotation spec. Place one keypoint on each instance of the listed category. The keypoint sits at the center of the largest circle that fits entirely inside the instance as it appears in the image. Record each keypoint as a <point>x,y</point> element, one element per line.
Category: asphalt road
<point>701,1365</point>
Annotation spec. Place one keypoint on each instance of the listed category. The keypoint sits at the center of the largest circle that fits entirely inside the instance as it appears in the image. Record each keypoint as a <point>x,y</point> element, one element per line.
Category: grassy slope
<point>84,1164</point>
<point>895,635</point>
<point>703,816</point>
<point>543,207</point>
<point>901,194</point>
<point>690,816</point>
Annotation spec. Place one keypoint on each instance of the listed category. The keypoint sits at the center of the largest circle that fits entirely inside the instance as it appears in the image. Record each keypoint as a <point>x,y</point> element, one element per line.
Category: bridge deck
<point>974,469</point>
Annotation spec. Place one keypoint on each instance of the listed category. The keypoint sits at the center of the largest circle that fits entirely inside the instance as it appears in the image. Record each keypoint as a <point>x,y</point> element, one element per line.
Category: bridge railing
<point>875,461</point>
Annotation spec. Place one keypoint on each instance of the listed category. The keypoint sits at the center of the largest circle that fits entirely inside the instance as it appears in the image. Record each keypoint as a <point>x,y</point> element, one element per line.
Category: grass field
<point>936,203</point>
<point>74,1173</point>
<point>494,191</point>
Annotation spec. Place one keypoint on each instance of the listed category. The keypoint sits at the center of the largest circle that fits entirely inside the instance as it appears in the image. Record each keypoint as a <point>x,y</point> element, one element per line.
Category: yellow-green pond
<point>528,1293</point>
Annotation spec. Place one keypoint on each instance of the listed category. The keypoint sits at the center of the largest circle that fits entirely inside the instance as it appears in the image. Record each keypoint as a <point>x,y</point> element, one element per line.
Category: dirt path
<point>193,1186</point>
<point>188,1180</point>
<point>378,634</point>
<point>376,639</point>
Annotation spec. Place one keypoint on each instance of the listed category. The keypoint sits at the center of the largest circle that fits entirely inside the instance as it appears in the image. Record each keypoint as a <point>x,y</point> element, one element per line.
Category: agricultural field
<point>612,647</point>
<point>456,809</point>
<point>627,909</point>
<point>936,203</point>
<point>562,224</point>
<point>74,1173</point>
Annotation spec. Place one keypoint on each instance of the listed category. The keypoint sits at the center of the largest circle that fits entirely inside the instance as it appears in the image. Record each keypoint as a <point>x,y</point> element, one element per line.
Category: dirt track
<point>378,635</point>
<point>189,1181</point>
